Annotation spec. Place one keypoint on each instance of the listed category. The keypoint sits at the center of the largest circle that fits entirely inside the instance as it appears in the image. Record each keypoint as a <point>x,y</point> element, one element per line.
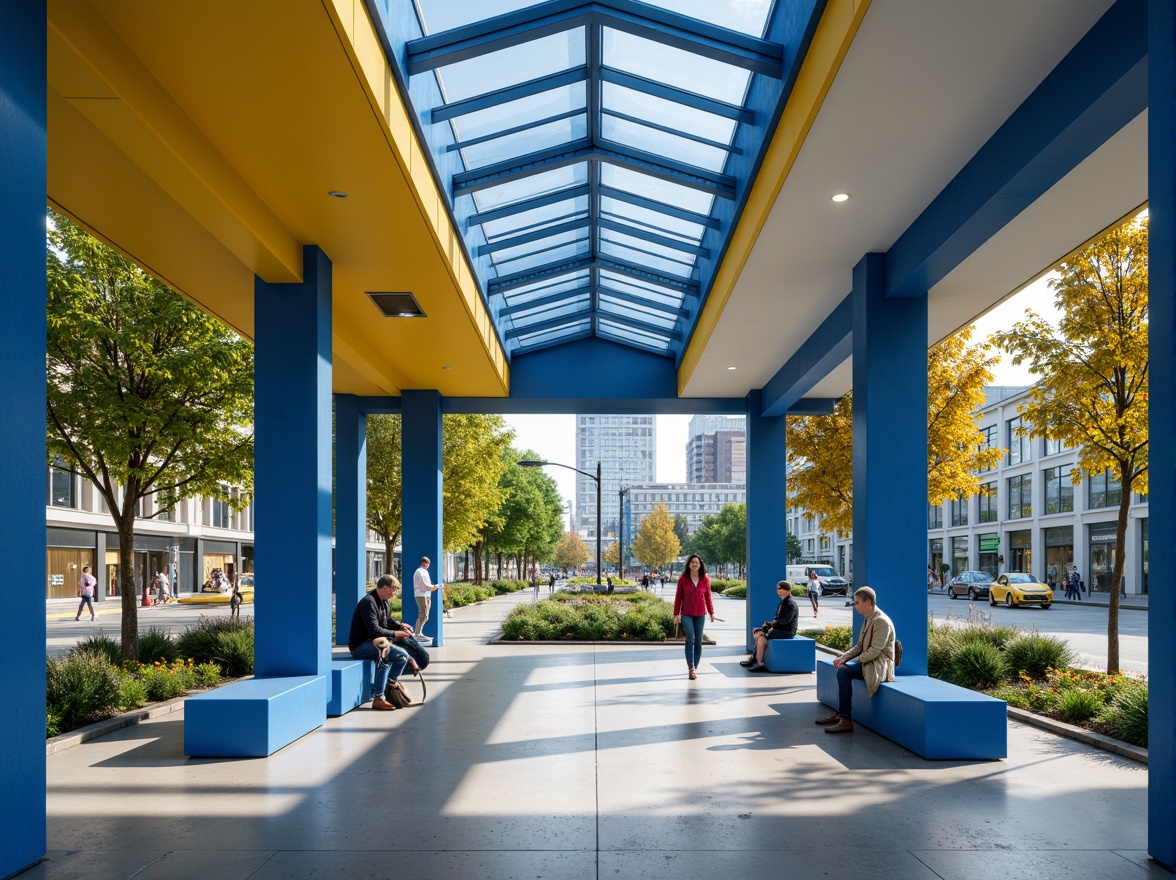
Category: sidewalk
<point>574,762</point>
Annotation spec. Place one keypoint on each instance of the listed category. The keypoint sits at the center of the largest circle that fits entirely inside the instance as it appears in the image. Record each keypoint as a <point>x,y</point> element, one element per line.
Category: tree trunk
<point>389,552</point>
<point>1125,481</point>
<point>127,587</point>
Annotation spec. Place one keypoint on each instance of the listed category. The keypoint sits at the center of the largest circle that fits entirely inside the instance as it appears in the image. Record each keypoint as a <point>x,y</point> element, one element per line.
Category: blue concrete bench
<point>930,717</point>
<point>351,683</point>
<point>797,654</point>
<point>253,718</point>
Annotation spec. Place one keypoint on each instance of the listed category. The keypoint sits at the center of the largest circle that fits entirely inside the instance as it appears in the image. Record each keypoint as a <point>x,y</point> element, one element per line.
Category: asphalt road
<point>1083,626</point>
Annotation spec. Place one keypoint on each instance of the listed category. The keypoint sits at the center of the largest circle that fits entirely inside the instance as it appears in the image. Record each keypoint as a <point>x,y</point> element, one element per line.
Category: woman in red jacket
<point>692,603</point>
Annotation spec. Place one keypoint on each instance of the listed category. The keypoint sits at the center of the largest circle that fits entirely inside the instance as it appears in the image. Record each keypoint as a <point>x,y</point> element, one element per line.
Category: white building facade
<point>626,448</point>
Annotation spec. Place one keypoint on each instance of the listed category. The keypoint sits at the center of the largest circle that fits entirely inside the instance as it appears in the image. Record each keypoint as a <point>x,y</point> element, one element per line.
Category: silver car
<point>973,584</point>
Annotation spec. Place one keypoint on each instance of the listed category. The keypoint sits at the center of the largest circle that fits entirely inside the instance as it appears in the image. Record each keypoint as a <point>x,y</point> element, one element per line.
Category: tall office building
<point>626,447</point>
<point>716,451</point>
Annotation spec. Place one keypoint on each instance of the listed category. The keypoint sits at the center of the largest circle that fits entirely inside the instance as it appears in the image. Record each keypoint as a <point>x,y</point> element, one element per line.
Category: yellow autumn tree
<point>570,553</point>
<point>1092,394</point>
<point>820,448</point>
<point>656,544</point>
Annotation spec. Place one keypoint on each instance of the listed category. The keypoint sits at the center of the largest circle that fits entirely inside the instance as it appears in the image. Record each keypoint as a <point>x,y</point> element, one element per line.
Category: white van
<point>832,584</point>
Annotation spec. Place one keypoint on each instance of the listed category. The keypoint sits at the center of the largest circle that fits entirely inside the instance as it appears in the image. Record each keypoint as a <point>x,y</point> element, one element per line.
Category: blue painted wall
<point>593,368</point>
<point>421,500</point>
<point>890,455</point>
<point>292,471</point>
<point>350,511</point>
<point>22,429</point>
<point>767,521</point>
<point>1161,832</point>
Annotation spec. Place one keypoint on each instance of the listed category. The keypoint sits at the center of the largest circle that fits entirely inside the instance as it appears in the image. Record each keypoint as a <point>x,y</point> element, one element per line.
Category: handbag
<point>395,694</point>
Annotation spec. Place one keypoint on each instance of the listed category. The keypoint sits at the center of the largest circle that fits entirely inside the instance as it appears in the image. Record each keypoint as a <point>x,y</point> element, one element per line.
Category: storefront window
<point>1102,557</point>
<point>1059,554</point>
<point>1020,552</point>
<point>959,555</point>
<point>989,556</point>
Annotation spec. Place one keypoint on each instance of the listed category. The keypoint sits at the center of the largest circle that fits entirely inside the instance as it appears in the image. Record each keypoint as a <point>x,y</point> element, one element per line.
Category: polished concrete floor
<point>587,762</point>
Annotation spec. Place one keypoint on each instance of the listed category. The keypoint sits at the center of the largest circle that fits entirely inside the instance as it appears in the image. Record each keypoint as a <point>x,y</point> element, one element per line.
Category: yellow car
<point>1018,588</point>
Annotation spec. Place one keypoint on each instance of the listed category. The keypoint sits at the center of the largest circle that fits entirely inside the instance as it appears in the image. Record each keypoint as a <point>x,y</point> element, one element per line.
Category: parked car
<point>1019,588</point>
<point>973,584</point>
<point>832,584</point>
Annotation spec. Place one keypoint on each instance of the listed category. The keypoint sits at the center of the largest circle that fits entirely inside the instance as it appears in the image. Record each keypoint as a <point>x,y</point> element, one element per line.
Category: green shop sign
<point>989,543</point>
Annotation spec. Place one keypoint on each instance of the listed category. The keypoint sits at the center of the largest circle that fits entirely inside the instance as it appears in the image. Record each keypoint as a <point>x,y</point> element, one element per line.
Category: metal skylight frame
<point>635,222</point>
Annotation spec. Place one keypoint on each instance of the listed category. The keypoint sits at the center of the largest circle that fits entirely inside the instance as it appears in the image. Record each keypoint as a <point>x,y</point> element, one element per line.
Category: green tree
<point>1092,394</point>
<point>722,537</point>
<point>472,461</point>
<point>570,553</point>
<point>612,554</point>
<point>529,521</point>
<point>821,447</point>
<point>792,548</point>
<point>682,530</point>
<point>148,397</point>
<point>656,544</point>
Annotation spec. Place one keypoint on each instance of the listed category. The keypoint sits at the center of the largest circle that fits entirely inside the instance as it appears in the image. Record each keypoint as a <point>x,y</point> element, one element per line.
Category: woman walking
<point>814,591</point>
<point>86,586</point>
<point>692,603</point>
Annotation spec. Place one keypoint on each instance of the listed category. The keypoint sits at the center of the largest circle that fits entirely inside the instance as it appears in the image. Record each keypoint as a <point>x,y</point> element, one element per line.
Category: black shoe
<point>750,661</point>
<point>759,667</point>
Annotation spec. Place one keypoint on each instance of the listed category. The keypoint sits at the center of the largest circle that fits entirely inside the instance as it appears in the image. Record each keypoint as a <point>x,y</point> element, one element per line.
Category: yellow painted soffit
<point>358,36</point>
<point>835,32</point>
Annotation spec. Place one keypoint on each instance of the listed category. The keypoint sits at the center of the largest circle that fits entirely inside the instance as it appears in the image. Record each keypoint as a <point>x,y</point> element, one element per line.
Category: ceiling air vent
<point>397,305</point>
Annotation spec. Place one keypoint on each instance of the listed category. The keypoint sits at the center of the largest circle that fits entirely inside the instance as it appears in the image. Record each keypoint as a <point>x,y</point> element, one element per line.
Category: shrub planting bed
<point>592,617</point>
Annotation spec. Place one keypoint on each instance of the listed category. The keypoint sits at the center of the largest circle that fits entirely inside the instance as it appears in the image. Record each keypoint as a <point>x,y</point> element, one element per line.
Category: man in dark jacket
<point>783,627</point>
<point>372,620</point>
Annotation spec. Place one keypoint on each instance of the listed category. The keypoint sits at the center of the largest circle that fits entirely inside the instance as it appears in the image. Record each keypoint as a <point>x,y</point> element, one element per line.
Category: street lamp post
<point>596,476</point>
<point>621,493</point>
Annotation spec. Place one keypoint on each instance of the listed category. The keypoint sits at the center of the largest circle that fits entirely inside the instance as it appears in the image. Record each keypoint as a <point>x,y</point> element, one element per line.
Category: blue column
<point>292,472</point>
<point>767,522</point>
<point>350,511</point>
<point>1161,813</point>
<point>22,429</point>
<point>420,468</point>
<point>890,455</point>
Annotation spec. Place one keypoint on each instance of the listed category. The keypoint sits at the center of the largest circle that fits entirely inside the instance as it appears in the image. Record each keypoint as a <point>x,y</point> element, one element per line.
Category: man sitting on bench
<point>875,660</point>
<point>370,621</point>
<point>783,627</point>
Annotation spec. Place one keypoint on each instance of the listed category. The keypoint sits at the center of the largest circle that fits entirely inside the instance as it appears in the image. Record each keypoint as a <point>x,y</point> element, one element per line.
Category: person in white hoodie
<point>423,589</point>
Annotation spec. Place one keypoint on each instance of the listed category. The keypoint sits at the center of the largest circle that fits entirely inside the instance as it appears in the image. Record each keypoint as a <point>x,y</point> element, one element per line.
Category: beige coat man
<point>874,652</point>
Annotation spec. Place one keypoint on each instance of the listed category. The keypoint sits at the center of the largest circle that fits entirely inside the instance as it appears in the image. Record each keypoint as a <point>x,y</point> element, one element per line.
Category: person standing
<point>874,653</point>
<point>535,585</point>
<point>814,591</point>
<point>87,584</point>
<point>692,603</point>
<point>783,627</point>
<point>370,620</point>
<point>551,583</point>
<point>422,590</point>
<point>1074,584</point>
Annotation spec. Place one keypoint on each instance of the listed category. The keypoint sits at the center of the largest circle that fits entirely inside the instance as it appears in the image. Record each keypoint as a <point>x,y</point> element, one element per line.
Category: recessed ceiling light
<point>732,368</point>
<point>337,194</point>
<point>397,304</point>
<point>841,197</point>
<point>447,367</point>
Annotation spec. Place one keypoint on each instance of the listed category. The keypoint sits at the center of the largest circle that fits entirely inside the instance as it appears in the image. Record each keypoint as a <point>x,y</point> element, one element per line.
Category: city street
<point>1083,626</point>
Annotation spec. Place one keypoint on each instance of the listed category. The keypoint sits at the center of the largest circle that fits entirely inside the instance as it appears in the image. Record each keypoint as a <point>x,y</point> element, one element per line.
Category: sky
<point>553,437</point>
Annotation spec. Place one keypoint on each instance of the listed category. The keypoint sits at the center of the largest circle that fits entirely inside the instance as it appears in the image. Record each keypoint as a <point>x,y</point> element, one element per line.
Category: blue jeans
<point>845,676</point>
<point>388,668</point>
<point>692,627</point>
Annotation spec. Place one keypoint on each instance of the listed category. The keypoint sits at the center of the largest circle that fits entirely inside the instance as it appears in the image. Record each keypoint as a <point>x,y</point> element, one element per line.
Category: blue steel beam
<point>516,129</point>
<point>644,326</point>
<point>684,286</point>
<point>550,324</point>
<point>661,207</point>
<point>676,95</point>
<point>676,132</point>
<point>511,93</point>
<point>653,238</point>
<point>1094,91</point>
<point>551,198</point>
<point>829,345</point>
<point>623,296</point>
<point>564,296</point>
<point>556,16</point>
<point>501,244</point>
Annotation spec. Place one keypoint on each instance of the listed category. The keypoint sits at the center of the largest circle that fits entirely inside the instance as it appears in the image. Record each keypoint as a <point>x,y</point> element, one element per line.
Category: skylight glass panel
<point>640,287</point>
<point>632,241</point>
<point>443,15</point>
<point>574,328</point>
<point>533,185</point>
<point>541,258</point>
<point>513,65</point>
<point>528,292</point>
<point>530,247</point>
<point>539,137</point>
<point>643,258</point>
<point>746,16</point>
<point>656,188</point>
<point>568,308</point>
<point>675,67</point>
<point>623,311</point>
<point>671,114</point>
<point>655,221</point>
<point>536,218</point>
<point>522,111</point>
<point>625,331</point>
<point>651,140</point>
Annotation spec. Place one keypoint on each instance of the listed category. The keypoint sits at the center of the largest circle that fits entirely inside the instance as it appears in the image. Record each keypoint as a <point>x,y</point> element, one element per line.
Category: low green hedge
<point>592,617</point>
